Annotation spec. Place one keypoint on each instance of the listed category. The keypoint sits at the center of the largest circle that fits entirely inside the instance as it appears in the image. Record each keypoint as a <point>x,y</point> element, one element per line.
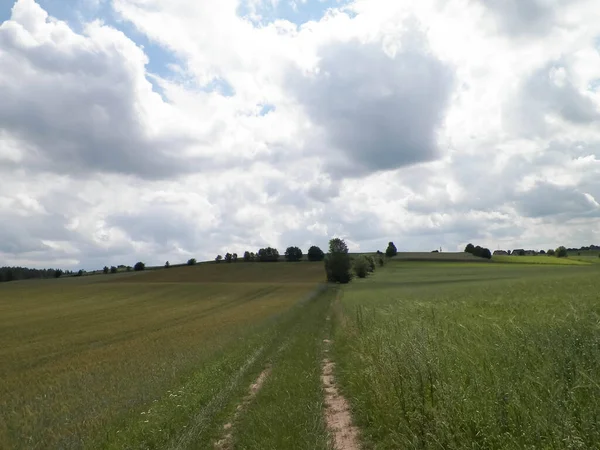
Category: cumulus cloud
<point>407,121</point>
<point>525,17</point>
<point>558,202</point>
<point>549,92</point>
<point>373,111</point>
<point>76,104</point>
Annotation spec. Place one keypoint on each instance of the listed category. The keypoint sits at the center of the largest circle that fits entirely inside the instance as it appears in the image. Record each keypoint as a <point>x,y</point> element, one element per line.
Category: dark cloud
<point>374,112</point>
<point>557,202</point>
<point>78,104</point>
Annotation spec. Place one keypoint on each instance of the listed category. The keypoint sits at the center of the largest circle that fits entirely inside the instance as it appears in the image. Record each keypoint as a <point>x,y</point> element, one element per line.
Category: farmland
<point>478,356</point>
<point>430,353</point>
<point>126,360</point>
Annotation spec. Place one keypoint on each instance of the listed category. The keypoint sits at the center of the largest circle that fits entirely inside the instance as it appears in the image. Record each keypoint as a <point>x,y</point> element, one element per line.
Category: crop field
<point>484,356</point>
<point>426,354</point>
<point>544,259</point>
<point>136,360</point>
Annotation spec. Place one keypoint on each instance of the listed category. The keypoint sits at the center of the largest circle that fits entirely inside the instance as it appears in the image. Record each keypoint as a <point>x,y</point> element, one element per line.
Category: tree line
<point>25,273</point>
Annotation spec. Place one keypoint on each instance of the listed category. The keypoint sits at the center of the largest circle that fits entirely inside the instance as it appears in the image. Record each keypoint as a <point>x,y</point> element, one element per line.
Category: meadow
<point>430,352</point>
<point>488,356</point>
<point>128,360</point>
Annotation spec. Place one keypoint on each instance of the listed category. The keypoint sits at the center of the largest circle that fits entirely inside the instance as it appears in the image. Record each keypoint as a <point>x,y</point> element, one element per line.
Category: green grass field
<point>128,360</point>
<point>430,355</point>
<point>544,259</point>
<point>482,356</point>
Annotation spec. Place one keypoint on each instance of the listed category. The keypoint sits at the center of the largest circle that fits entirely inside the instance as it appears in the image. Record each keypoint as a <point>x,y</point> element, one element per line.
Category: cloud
<point>81,103</point>
<point>558,202</point>
<point>525,17</point>
<point>549,92</point>
<point>372,111</point>
<point>414,122</point>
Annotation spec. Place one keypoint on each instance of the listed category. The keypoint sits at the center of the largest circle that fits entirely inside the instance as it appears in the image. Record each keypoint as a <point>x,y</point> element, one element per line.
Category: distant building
<point>530,252</point>
<point>500,252</point>
<point>518,252</point>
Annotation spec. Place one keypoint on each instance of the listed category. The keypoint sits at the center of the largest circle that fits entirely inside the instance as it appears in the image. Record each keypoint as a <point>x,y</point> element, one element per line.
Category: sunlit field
<point>126,360</point>
<point>491,356</point>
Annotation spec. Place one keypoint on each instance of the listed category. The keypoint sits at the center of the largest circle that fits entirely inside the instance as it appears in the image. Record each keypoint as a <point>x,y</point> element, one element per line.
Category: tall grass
<point>87,363</point>
<point>506,364</point>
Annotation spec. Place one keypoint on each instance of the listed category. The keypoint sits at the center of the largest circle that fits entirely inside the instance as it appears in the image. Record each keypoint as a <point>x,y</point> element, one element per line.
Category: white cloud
<point>417,122</point>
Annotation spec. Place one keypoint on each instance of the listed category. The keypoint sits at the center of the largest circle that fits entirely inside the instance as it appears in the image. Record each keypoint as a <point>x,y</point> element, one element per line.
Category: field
<point>482,356</point>
<point>128,360</point>
<point>428,354</point>
<point>544,259</point>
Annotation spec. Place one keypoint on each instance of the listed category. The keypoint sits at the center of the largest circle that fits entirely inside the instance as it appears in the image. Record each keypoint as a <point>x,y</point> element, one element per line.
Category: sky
<point>160,130</point>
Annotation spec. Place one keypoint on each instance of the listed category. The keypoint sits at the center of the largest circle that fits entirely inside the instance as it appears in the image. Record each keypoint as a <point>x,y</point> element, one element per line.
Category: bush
<point>361,267</point>
<point>315,254</point>
<point>129,268</point>
<point>218,259</point>
<point>391,250</point>
<point>191,261</point>
<point>228,257</point>
<point>268,254</point>
<point>550,252</point>
<point>337,262</point>
<point>167,265</point>
<point>113,269</point>
<point>139,266</point>
<point>293,254</point>
<point>105,270</point>
<point>561,252</point>
<point>371,262</point>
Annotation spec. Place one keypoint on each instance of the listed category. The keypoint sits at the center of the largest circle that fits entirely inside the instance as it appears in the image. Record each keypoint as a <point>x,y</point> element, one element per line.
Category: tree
<point>550,252</point>
<point>167,265</point>
<point>486,253</point>
<point>79,273</point>
<point>218,259</point>
<point>268,254</point>
<point>391,250</point>
<point>234,257</point>
<point>381,262</point>
<point>337,262</point>
<point>470,248</point>
<point>129,268</point>
<point>521,252</point>
<point>561,252</point>
<point>361,267</point>
<point>315,254</point>
<point>542,252</point>
<point>337,245</point>
<point>58,273</point>
<point>293,254</point>
<point>139,266</point>
<point>113,269</point>
<point>247,256</point>
<point>105,270</point>
<point>252,256</point>
<point>371,262</point>
<point>191,261</point>
<point>228,257</point>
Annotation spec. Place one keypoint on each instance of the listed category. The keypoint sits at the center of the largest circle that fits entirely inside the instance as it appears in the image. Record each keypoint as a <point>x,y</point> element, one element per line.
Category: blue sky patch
<point>77,12</point>
<point>294,11</point>
<point>266,109</point>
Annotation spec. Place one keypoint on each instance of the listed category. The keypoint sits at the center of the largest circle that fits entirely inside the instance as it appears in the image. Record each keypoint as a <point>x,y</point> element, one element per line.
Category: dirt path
<point>337,409</point>
<point>226,442</point>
